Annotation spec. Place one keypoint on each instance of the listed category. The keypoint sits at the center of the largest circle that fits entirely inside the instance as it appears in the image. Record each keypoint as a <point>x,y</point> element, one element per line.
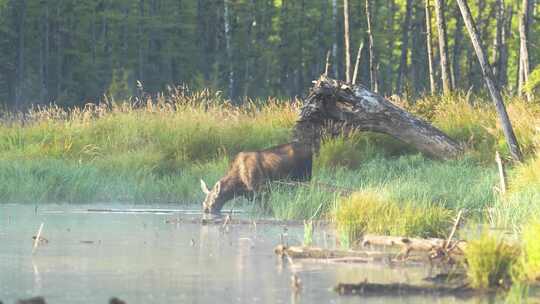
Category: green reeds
<point>370,212</point>
<point>491,262</point>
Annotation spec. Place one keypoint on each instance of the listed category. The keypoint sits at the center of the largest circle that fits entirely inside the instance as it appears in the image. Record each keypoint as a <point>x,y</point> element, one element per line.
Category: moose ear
<point>218,187</point>
<point>204,188</point>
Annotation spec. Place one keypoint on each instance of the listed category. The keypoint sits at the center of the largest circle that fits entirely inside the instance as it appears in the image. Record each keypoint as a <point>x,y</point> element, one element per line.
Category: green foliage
<point>272,48</point>
<point>491,261</point>
<point>298,202</point>
<point>308,232</point>
<point>416,179</point>
<point>344,151</point>
<point>369,212</point>
<point>522,200</point>
<point>531,249</point>
<point>534,81</point>
<point>57,181</point>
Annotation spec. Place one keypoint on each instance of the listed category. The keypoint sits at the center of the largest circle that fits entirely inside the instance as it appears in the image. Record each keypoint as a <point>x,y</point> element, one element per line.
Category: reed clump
<point>531,250</point>
<point>491,262</point>
<point>370,212</point>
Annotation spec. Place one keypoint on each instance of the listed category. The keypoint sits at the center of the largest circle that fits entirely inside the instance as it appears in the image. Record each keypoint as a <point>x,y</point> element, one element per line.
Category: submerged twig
<point>502,173</point>
<point>454,228</point>
<point>38,236</point>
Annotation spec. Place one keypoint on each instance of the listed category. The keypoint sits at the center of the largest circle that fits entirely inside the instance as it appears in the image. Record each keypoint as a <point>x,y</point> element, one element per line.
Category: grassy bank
<point>157,153</point>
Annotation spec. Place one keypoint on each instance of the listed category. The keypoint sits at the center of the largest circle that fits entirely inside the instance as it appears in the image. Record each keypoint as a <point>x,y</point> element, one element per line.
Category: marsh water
<point>169,257</point>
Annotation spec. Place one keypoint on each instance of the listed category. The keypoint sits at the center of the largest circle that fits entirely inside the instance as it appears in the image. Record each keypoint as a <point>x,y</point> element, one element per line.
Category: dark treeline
<point>71,52</point>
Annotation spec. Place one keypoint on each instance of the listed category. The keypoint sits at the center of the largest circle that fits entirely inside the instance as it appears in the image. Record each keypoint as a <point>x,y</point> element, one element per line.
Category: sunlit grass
<point>531,245</point>
<point>158,152</point>
<point>190,129</point>
<point>370,212</point>
<point>490,261</point>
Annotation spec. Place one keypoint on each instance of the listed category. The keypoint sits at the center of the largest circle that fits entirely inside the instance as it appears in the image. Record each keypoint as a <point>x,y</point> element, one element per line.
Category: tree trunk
<point>524,66</point>
<point>402,70</point>
<point>443,46</point>
<point>429,48</point>
<point>59,47</point>
<point>21,18</point>
<point>227,32</point>
<point>336,104</point>
<point>389,73</point>
<point>372,58</point>
<point>456,59</point>
<point>44,54</point>
<point>503,61</point>
<point>347,40</point>
<point>488,77</point>
<point>497,40</point>
<point>418,67</point>
<point>140,54</point>
<point>335,38</point>
<point>357,62</point>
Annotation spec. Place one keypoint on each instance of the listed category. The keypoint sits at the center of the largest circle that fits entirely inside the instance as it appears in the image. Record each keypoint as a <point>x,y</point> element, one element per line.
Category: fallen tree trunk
<point>412,244</point>
<point>398,289</point>
<point>346,256</point>
<point>428,250</point>
<point>333,103</point>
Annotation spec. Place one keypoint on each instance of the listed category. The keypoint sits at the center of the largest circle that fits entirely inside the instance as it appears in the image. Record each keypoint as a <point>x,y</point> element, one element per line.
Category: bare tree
<point>140,52</point>
<point>402,70</point>
<point>456,54</point>
<point>227,32</point>
<point>389,72</point>
<point>347,40</point>
<point>443,46</point>
<point>429,48</point>
<point>503,60</point>
<point>488,78</point>
<point>497,40</point>
<point>335,37</point>
<point>357,63</point>
<point>20,23</point>
<point>372,58</point>
<point>44,53</point>
<point>524,65</point>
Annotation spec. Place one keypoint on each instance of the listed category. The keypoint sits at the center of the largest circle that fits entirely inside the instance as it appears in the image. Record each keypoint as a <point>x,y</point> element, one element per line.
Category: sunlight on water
<point>141,258</point>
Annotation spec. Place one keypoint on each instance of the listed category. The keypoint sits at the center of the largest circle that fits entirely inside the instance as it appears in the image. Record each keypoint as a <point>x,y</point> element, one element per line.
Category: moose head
<point>214,200</point>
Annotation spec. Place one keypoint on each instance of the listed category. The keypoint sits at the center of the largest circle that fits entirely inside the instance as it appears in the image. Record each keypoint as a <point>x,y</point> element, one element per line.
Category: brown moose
<point>251,170</point>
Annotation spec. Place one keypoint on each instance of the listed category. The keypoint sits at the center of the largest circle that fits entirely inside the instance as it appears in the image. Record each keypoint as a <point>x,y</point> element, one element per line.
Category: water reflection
<point>143,258</point>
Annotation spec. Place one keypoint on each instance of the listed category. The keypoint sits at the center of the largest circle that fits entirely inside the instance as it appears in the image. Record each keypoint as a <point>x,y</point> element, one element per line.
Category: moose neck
<point>229,188</point>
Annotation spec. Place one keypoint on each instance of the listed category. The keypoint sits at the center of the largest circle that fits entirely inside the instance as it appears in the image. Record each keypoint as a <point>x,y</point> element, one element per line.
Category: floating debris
<point>37,238</point>
<point>296,283</point>
<point>173,221</point>
<point>34,300</point>
<point>115,300</point>
<point>87,242</point>
<point>42,240</point>
<point>400,289</point>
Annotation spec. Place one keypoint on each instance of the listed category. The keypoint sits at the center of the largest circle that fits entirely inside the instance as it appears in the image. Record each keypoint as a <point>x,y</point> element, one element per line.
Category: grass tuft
<point>531,245</point>
<point>490,262</point>
<point>370,212</point>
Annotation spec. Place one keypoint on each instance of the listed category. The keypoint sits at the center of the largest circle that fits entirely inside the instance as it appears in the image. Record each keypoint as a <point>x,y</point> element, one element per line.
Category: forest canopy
<point>73,52</point>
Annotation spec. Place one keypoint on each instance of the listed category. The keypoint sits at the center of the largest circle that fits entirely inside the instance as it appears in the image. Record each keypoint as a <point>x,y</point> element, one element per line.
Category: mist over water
<point>154,258</point>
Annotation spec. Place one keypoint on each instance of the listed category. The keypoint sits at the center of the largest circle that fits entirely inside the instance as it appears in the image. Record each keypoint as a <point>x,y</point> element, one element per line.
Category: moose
<point>249,171</point>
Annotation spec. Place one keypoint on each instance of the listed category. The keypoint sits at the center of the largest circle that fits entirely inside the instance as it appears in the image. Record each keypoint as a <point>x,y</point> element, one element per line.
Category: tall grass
<point>491,262</point>
<point>158,152</point>
<point>369,212</point>
<point>531,245</point>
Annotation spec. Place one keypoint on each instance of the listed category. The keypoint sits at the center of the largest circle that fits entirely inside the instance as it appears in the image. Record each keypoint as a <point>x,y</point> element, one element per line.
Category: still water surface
<point>140,258</point>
